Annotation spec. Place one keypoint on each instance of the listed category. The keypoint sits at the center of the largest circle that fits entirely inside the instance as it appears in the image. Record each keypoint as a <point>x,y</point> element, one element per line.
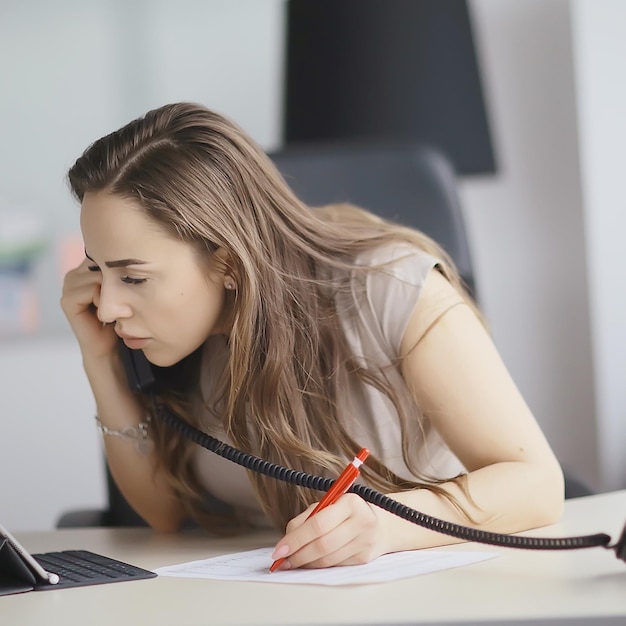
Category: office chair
<point>413,185</point>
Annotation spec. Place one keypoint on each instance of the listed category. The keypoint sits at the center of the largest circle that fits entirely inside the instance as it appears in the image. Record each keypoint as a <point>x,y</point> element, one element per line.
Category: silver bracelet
<point>138,433</point>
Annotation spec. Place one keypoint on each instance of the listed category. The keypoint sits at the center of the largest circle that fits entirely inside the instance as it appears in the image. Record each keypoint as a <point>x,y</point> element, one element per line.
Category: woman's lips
<point>134,343</point>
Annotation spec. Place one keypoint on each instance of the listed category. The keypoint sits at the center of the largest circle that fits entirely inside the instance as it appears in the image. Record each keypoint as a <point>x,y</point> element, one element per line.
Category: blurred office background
<point>546,226</point>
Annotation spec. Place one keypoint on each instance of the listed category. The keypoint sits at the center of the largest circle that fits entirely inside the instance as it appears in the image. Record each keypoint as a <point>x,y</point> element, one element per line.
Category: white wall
<point>600,50</point>
<point>71,72</point>
<point>526,223</point>
<point>50,454</point>
<point>547,231</point>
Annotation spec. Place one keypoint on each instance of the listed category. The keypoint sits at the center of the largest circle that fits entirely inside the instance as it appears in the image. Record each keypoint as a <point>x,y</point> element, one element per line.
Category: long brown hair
<point>207,183</point>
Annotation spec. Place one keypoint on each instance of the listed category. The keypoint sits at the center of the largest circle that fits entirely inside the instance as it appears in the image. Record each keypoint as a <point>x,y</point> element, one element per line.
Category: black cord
<point>372,496</point>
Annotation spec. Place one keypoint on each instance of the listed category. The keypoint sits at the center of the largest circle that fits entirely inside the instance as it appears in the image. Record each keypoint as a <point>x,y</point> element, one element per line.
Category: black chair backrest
<point>413,185</point>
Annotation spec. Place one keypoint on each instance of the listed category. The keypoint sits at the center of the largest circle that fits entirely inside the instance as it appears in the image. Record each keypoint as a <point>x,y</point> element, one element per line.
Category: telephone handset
<point>141,378</point>
<point>138,369</point>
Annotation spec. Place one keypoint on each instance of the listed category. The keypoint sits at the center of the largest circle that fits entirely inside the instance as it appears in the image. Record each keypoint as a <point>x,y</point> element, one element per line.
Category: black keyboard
<point>78,568</point>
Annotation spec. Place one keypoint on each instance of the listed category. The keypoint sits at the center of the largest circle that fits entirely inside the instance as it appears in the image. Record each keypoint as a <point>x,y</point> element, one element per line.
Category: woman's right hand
<point>81,294</point>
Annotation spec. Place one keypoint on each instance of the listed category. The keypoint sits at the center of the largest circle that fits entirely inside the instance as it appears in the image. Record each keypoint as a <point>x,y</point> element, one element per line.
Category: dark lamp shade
<point>387,69</point>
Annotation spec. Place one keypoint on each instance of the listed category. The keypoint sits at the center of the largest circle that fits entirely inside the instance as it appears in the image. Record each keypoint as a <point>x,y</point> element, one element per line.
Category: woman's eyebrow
<point>119,263</point>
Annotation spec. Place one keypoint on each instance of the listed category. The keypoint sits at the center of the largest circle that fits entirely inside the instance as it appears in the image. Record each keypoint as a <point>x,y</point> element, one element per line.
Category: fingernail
<point>285,565</point>
<point>281,552</point>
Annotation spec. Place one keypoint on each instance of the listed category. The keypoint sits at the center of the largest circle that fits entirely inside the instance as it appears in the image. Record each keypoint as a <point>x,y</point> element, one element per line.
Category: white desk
<point>518,587</point>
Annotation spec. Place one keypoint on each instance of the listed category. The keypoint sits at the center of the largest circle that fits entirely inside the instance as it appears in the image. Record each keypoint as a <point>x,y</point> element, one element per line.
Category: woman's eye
<point>133,281</point>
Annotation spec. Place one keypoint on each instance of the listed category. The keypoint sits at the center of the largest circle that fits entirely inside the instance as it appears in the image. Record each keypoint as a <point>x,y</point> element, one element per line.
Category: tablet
<point>21,571</point>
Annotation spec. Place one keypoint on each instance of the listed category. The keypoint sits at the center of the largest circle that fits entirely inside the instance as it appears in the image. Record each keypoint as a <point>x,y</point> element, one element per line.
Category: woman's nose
<point>111,304</point>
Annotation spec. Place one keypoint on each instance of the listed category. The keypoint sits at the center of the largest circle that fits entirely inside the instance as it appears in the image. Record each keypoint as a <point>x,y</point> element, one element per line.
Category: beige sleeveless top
<point>374,324</point>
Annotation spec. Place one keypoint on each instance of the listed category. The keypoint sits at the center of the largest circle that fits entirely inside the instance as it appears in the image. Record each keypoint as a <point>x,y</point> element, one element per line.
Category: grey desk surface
<point>519,587</point>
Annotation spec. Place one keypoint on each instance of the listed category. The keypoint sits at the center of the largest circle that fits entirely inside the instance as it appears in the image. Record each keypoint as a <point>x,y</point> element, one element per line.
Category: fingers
<point>81,288</point>
<point>345,533</point>
<point>79,301</point>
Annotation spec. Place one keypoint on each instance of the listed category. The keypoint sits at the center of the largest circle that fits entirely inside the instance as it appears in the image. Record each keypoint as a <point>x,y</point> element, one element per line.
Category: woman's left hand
<point>348,532</point>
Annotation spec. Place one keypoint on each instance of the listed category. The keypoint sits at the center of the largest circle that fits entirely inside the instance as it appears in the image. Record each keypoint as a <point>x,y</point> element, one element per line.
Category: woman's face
<point>153,288</point>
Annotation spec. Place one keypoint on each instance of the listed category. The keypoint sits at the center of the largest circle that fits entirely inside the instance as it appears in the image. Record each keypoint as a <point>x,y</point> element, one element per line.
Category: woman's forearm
<point>135,472</point>
<point>506,498</point>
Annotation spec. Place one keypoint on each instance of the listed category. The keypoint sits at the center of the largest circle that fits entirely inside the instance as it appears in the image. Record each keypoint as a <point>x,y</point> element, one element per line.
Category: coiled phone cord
<point>379,499</point>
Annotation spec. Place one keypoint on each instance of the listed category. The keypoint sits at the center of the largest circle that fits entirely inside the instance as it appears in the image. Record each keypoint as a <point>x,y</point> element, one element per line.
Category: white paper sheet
<point>254,566</point>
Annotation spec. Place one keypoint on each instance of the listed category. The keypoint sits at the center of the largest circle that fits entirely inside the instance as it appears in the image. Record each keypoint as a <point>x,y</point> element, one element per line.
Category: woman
<point>296,334</point>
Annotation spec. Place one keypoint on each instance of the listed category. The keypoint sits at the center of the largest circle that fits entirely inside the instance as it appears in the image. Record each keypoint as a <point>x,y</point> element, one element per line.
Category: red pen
<point>337,489</point>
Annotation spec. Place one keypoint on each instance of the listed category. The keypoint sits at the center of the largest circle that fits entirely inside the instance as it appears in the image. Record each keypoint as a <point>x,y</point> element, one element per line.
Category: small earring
<point>229,284</point>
